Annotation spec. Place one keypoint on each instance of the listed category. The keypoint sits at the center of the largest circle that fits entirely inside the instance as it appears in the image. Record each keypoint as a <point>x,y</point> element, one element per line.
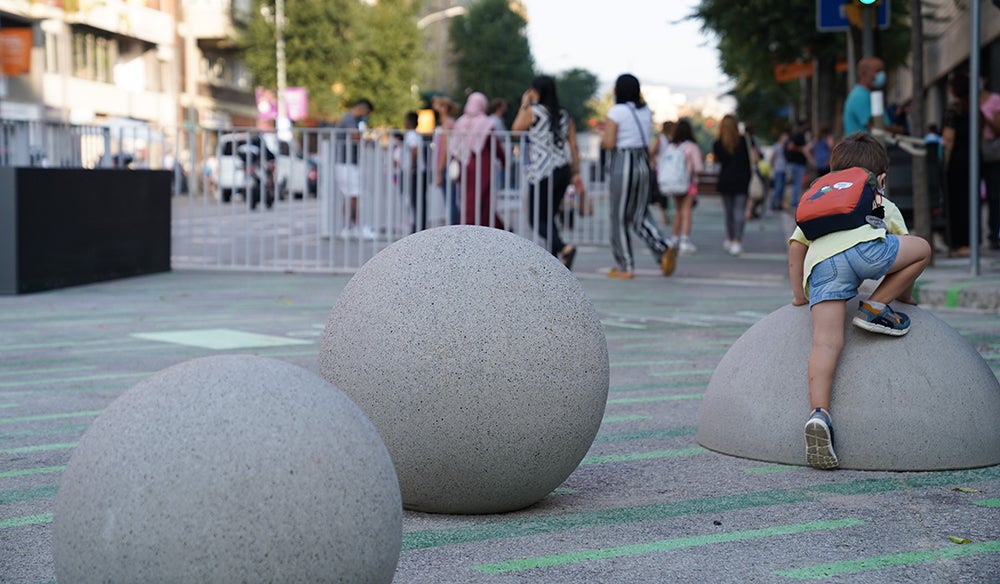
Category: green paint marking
<point>655,398</point>
<point>614,419</point>
<point>49,381</point>
<point>890,561</point>
<point>44,417</point>
<point>67,344</point>
<point>688,373</point>
<point>74,429</point>
<point>657,362</point>
<point>951,296</point>
<point>220,339</point>
<point>660,546</point>
<point>631,456</point>
<point>31,471</point>
<point>659,511</point>
<point>8,497</point>
<point>770,469</point>
<point>47,370</point>
<point>9,406</point>
<point>645,435</point>
<point>656,386</point>
<point>25,521</point>
<point>987,503</point>
<point>563,491</point>
<point>38,448</point>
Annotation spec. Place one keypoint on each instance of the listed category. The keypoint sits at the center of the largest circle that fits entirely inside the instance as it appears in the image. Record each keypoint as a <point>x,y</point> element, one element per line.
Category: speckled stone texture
<point>924,401</point>
<point>481,361</point>
<point>229,469</point>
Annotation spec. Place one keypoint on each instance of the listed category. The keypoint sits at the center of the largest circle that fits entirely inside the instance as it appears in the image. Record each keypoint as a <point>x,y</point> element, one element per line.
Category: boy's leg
<point>913,256</point>
<point>828,342</point>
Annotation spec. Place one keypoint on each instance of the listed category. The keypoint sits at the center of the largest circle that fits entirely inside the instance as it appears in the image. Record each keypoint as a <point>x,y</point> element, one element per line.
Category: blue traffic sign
<point>831,15</point>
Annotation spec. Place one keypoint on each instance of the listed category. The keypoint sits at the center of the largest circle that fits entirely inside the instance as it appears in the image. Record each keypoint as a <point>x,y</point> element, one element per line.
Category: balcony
<point>126,19</point>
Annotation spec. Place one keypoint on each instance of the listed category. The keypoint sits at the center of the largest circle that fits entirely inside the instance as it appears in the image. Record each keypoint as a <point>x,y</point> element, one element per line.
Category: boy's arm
<point>796,261</point>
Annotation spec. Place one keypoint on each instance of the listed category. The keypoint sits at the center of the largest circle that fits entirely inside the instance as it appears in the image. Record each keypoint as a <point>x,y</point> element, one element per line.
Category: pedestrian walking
<point>734,154</point>
<point>627,131</point>
<point>474,145</point>
<point>678,161</point>
<point>553,161</point>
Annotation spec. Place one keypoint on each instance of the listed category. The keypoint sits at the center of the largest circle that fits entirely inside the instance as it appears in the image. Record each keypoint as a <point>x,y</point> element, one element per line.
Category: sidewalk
<point>647,503</point>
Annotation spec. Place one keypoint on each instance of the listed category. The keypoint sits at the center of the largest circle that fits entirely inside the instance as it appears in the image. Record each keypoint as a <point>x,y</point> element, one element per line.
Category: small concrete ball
<point>229,469</point>
<point>924,401</point>
<point>481,361</point>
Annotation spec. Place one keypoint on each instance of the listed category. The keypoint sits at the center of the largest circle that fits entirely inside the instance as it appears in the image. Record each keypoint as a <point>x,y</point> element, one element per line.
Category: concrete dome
<point>229,469</point>
<point>924,401</point>
<point>481,361</point>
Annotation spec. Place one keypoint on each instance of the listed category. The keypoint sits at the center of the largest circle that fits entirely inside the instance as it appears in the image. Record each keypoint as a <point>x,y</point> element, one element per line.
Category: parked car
<point>290,167</point>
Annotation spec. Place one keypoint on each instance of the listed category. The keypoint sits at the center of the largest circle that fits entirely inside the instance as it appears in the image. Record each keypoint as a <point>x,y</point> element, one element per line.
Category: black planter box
<point>64,227</point>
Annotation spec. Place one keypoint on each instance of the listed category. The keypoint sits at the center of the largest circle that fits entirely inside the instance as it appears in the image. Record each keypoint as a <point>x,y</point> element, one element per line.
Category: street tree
<point>577,87</point>
<point>340,51</point>
<point>492,52</point>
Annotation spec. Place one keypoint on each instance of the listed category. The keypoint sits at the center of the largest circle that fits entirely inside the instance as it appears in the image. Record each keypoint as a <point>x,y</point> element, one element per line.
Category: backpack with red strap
<point>838,201</point>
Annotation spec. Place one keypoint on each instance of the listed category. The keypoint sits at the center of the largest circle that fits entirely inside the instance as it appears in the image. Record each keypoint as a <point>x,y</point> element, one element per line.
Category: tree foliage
<point>756,35</point>
<point>340,51</point>
<point>492,51</point>
<point>576,88</point>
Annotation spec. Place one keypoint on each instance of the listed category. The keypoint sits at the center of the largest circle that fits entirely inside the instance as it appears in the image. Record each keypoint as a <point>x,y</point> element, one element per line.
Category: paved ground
<point>646,505</point>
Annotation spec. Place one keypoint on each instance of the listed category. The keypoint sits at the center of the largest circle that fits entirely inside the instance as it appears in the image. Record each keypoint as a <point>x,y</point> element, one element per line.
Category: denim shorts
<point>838,277</point>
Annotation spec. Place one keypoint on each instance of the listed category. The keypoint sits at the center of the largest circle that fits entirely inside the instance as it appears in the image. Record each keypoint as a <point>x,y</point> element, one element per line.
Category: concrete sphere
<point>480,360</point>
<point>229,469</point>
<point>924,401</point>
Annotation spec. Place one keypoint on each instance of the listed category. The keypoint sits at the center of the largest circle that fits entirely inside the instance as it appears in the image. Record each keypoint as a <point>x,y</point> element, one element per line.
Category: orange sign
<point>791,71</point>
<point>15,51</point>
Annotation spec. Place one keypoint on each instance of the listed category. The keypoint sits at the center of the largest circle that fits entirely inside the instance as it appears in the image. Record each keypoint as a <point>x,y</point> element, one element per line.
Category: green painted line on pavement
<point>632,456</point>
<point>682,373</point>
<point>16,496</point>
<point>987,502</point>
<point>9,406</point>
<point>31,471</point>
<point>665,545</point>
<point>656,386</point>
<point>953,292</point>
<point>25,521</point>
<point>616,419</point>
<point>72,429</point>
<point>623,515</point>
<point>56,380</point>
<point>645,435</point>
<point>45,417</point>
<point>890,561</point>
<point>68,344</point>
<point>655,362</point>
<point>563,491</point>
<point>38,448</point>
<point>655,398</point>
<point>10,372</point>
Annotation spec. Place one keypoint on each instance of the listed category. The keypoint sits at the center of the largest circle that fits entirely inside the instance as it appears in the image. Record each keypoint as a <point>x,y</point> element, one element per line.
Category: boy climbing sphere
<point>848,232</point>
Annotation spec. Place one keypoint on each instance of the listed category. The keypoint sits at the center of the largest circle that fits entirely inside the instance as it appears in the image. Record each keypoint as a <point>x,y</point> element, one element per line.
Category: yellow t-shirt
<point>831,244</point>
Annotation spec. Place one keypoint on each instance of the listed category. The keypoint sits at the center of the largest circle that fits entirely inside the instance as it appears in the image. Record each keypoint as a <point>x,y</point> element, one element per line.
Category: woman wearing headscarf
<point>627,134</point>
<point>474,146</point>
<point>733,153</point>
<point>553,161</point>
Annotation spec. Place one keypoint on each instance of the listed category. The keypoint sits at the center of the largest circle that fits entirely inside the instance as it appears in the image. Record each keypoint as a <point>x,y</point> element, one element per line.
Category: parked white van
<point>235,151</point>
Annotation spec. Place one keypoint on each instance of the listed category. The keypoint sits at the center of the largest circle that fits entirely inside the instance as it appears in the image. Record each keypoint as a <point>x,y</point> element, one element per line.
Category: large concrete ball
<point>480,360</point>
<point>924,401</point>
<point>229,469</point>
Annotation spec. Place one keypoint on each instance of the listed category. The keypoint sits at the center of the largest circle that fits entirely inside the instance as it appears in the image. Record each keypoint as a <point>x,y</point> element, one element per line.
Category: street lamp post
<point>282,124</point>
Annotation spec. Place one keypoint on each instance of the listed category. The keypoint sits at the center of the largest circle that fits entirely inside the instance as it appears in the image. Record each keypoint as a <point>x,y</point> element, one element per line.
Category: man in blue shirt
<point>858,106</point>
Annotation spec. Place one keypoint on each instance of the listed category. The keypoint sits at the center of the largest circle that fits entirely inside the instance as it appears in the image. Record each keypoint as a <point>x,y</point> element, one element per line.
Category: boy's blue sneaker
<point>885,321</point>
<point>819,441</point>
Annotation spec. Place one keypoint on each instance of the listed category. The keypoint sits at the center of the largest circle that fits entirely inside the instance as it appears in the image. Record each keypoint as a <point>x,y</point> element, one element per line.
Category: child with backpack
<point>678,162</point>
<point>864,242</point>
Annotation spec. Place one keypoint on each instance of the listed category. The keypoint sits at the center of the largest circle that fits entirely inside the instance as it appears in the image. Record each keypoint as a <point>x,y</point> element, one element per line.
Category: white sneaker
<point>671,241</point>
<point>686,247</point>
<point>368,233</point>
<point>348,233</point>
<point>727,245</point>
<point>735,249</point>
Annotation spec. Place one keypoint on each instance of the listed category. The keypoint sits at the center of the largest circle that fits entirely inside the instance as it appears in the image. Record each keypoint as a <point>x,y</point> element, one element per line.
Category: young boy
<point>828,271</point>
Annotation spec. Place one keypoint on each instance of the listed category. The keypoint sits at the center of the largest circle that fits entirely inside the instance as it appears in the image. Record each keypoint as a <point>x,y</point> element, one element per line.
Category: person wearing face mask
<point>858,106</point>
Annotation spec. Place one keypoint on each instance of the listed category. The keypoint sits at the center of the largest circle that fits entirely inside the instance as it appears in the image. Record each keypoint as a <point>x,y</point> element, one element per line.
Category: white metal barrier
<point>328,199</point>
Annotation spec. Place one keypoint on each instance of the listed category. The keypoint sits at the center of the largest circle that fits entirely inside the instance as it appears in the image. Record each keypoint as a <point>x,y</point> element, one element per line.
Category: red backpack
<point>839,201</point>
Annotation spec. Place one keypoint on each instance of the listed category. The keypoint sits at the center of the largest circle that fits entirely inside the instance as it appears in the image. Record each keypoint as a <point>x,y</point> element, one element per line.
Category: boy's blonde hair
<point>860,149</point>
